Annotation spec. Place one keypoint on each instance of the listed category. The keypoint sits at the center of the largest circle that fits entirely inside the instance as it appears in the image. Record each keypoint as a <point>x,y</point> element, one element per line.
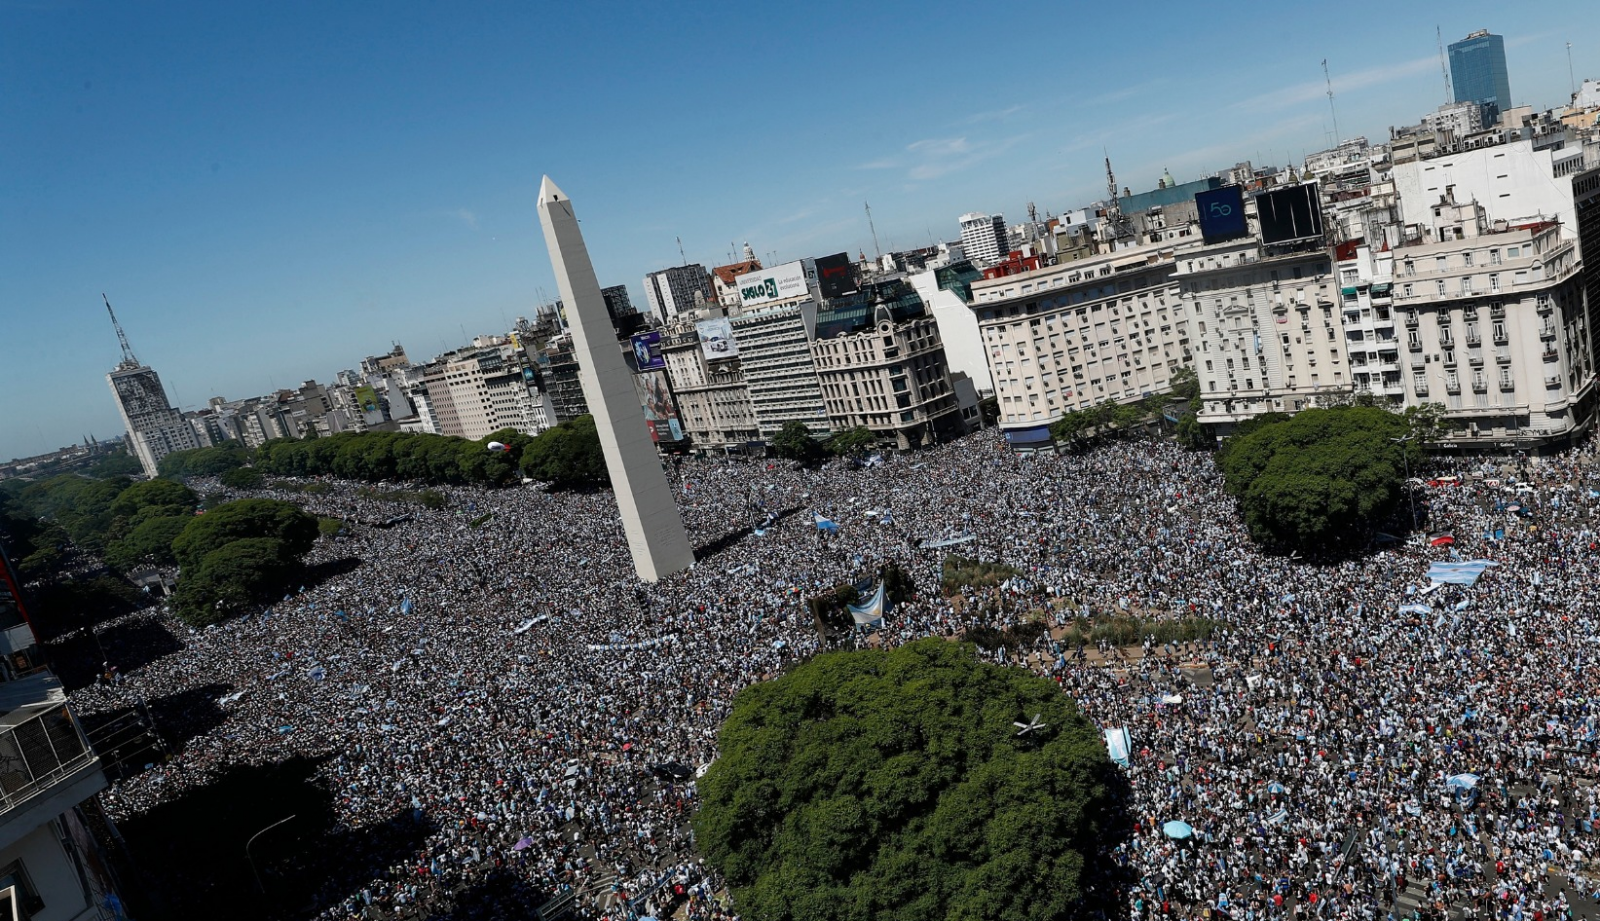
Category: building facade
<point>713,399</point>
<point>774,351</point>
<point>1478,73</point>
<point>155,427</point>
<point>983,237</point>
<point>672,291</point>
<point>892,378</point>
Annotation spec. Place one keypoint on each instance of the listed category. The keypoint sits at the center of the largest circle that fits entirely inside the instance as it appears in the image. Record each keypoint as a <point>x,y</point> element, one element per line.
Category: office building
<point>889,376</point>
<point>983,238</point>
<point>774,350</point>
<point>714,405</point>
<point>1518,182</point>
<point>672,291</point>
<point>155,427</point>
<point>1478,73</point>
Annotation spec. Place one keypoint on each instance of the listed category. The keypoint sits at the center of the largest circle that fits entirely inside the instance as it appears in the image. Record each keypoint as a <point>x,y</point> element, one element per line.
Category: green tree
<point>856,442</point>
<point>204,461</point>
<point>117,463</point>
<point>567,455</point>
<point>1321,480</point>
<point>243,478</point>
<point>892,784</point>
<point>149,543</point>
<point>162,494</point>
<point>794,442</point>
<point>245,519</point>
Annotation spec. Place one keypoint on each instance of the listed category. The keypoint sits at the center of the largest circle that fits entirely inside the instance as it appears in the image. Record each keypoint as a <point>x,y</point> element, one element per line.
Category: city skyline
<point>267,204</point>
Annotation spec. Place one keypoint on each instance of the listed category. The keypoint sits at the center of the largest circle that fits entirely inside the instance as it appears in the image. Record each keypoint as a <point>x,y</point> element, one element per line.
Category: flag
<point>405,606</point>
<point>825,524</point>
<point>871,613</point>
<point>1463,573</point>
<point>1118,744</point>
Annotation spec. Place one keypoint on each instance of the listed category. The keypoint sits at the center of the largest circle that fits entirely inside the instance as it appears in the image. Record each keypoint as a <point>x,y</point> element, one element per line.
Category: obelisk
<point>650,518</point>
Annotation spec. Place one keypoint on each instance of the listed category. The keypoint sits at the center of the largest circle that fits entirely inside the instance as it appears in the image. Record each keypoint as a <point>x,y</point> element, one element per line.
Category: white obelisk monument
<point>650,519</point>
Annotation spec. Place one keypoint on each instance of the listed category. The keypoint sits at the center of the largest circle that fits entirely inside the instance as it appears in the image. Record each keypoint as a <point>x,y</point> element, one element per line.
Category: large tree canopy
<point>893,785</point>
<point>246,518</point>
<point>1320,480</point>
<point>567,455</point>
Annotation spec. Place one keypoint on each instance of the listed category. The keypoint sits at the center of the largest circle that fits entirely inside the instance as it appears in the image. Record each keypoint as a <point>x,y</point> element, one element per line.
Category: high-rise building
<point>1478,73</point>
<point>155,427</point>
<point>774,350</point>
<point>984,238</point>
<point>672,291</point>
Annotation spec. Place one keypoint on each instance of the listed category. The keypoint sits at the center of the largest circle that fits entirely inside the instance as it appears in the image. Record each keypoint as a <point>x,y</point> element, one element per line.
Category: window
<point>1494,284</point>
<point>15,874</point>
<point>1441,287</point>
<point>1466,258</point>
<point>1440,263</point>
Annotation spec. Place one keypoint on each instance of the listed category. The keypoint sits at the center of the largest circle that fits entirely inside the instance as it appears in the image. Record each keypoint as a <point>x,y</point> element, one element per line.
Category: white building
<point>958,328</point>
<point>774,351</point>
<point>674,290</point>
<point>714,405</point>
<point>1064,338</point>
<point>1457,119</point>
<point>155,427</point>
<point>1514,182</point>
<point>983,237</point>
<point>891,378</point>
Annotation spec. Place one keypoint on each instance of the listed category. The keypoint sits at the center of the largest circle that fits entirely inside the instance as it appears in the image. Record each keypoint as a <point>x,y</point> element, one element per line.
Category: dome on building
<point>1167,181</point>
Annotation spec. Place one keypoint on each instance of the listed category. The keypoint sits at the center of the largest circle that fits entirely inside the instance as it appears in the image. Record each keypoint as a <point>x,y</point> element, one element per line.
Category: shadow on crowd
<point>81,657</point>
<point>711,548</point>
<point>191,852</point>
<point>140,734</point>
<point>317,573</point>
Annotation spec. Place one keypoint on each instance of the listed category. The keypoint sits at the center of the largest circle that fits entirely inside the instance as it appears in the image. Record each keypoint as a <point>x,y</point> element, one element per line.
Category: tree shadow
<point>711,548</point>
<point>500,893</point>
<point>191,850</point>
<point>132,737</point>
<point>318,573</point>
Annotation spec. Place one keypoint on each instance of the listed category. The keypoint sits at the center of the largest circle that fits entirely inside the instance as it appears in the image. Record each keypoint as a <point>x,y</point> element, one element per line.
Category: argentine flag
<point>825,524</point>
<point>870,614</point>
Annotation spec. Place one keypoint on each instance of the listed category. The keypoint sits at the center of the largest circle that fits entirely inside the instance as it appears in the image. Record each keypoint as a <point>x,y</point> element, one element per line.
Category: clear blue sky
<point>270,192</point>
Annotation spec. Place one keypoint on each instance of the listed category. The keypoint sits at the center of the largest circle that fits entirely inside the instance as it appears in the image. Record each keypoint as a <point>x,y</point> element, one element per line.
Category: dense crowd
<point>508,679</point>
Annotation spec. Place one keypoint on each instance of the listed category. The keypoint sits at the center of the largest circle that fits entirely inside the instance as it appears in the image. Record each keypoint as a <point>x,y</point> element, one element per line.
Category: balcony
<point>1414,345</point>
<point>46,764</point>
<point>1476,358</point>
<point>1420,389</point>
<point>1474,340</point>
<point>1452,387</point>
<point>1550,355</point>
<point>1507,384</point>
<point>1480,386</point>
<point>1552,380</point>
<point>1497,311</point>
<point>1547,332</point>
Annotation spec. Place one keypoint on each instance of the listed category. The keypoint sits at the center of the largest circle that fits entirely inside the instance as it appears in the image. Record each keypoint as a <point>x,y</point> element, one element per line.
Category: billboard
<point>660,413</point>
<point>647,351</point>
<point>716,339</point>
<point>367,399</point>
<point>764,286</point>
<point>836,277</point>
<point>1293,213</point>
<point>1221,214</point>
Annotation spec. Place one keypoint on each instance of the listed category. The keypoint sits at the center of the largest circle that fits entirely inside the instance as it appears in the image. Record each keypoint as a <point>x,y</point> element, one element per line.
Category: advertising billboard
<point>660,413</point>
<point>836,277</point>
<point>765,286</point>
<point>647,351</point>
<point>1222,214</point>
<point>367,399</point>
<point>1293,213</point>
<point>716,339</point>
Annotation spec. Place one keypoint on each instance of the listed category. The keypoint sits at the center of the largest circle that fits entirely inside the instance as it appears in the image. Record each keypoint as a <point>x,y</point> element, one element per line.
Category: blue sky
<point>270,192</point>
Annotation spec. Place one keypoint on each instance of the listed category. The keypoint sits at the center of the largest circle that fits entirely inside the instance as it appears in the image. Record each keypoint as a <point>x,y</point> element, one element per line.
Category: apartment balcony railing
<point>40,746</point>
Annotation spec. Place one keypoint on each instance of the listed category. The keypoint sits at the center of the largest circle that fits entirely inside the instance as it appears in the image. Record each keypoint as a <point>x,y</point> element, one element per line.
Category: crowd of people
<point>1353,742</point>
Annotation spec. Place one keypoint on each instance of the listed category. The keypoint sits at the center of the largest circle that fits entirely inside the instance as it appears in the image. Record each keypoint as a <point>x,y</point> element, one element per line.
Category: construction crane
<point>878,252</point>
<point>1444,71</point>
<point>1331,108</point>
<point>122,337</point>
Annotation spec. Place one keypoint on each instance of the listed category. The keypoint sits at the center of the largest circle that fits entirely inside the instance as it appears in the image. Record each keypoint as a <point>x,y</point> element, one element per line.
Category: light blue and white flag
<point>870,614</point>
<point>1465,572</point>
<point>1118,745</point>
<point>825,524</point>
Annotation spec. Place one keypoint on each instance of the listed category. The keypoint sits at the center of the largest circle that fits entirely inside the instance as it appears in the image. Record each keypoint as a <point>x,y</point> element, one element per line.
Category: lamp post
<point>253,871</point>
<point>1411,495</point>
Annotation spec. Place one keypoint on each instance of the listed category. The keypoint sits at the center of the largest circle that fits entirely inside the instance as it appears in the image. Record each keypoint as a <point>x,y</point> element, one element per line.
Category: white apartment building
<point>1267,337</point>
<point>1064,338</point>
<point>672,291</point>
<point>775,355</point>
<point>1514,182</point>
<point>1495,329</point>
<point>891,378</point>
<point>984,237</point>
<point>713,400</point>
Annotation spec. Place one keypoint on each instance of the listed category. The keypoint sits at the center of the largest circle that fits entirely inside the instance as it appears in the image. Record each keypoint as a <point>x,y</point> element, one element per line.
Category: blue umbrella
<point>1276,788</point>
<point>1177,831</point>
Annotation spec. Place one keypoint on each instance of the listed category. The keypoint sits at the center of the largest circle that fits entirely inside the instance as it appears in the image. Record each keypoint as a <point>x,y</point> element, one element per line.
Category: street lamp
<point>1411,494</point>
<point>256,873</point>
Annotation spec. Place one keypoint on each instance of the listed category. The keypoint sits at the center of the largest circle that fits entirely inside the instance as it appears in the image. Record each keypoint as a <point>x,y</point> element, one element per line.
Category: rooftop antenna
<point>122,337</point>
<point>1571,80</point>
<point>1336,136</point>
<point>1444,71</point>
<point>680,250</point>
<point>1033,214</point>
<point>876,250</point>
<point>1116,221</point>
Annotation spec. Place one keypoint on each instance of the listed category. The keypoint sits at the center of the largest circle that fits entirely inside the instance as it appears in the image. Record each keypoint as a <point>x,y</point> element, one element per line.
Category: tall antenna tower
<point>680,250</point>
<point>1337,137</point>
<point>1033,214</point>
<point>1438,35</point>
<point>1116,222</point>
<point>122,337</point>
<point>876,251</point>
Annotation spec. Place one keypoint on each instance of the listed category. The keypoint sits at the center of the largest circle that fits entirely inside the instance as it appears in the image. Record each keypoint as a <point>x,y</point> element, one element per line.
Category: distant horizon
<point>269,195</point>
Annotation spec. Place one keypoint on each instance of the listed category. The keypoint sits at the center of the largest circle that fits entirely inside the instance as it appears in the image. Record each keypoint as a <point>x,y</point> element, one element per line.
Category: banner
<point>1118,745</point>
<point>647,351</point>
<point>871,613</point>
<point>1465,573</point>
<point>660,413</point>
<point>716,339</point>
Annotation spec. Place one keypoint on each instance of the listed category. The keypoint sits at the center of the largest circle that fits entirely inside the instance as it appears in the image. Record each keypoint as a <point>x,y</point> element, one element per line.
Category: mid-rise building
<point>892,378</point>
<point>1518,182</point>
<point>1074,335</point>
<point>774,351</point>
<point>714,405</point>
<point>1478,73</point>
<point>984,238</point>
